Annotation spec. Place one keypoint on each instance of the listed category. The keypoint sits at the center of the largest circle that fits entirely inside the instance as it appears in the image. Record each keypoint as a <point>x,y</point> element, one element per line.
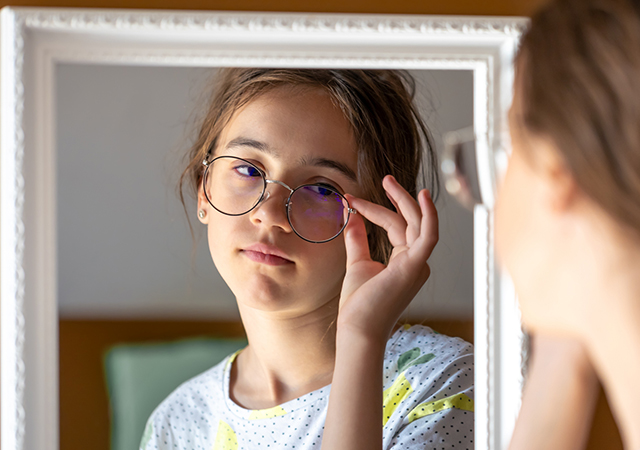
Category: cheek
<point>220,231</point>
<point>214,239</point>
<point>522,244</point>
<point>318,275</point>
<point>326,267</point>
<point>516,227</point>
<point>511,214</point>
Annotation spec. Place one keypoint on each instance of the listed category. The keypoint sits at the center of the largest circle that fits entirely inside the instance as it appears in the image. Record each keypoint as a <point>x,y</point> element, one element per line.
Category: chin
<point>263,293</point>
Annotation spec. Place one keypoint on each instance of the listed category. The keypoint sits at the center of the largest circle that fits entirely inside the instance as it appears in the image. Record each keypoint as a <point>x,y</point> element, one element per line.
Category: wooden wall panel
<point>462,7</point>
<point>604,431</point>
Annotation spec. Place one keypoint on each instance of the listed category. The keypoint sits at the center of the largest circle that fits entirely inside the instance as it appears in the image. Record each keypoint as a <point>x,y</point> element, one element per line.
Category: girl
<point>568,218</point>
<point>287,165</point>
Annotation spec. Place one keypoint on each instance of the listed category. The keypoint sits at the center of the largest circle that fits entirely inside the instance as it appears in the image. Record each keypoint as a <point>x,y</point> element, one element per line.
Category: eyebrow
<point>317,162</point>
<point>332,164</point>
<point>247,142</point>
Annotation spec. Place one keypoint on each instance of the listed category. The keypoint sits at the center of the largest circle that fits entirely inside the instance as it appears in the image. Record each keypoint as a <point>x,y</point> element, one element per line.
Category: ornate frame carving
<point>34,40</point>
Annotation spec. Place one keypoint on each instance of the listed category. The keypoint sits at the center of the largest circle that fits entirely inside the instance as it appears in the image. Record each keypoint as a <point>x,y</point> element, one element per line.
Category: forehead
<point>295,123</point>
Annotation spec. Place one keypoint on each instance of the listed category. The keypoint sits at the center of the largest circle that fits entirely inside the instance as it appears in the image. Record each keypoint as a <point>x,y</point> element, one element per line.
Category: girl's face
<point>296,136</point>
<point>518,238</point>
<point>533,227</point>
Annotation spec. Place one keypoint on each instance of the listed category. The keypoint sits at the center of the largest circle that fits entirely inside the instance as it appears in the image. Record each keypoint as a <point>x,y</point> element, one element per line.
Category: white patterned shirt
<point>427,403</point>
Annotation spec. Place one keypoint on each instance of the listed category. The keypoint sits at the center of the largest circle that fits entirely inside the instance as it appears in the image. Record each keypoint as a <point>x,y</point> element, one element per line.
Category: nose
<point>272,209</point>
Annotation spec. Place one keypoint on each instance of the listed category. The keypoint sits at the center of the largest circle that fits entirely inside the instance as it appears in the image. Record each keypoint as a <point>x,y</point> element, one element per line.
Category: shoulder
<point>415,345</point>
<point>197,389</point>
<point>203,393</point>
<point>428,382</point>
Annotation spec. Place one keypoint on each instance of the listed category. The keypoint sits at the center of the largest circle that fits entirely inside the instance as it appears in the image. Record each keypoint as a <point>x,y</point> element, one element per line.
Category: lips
<point>266,254</point>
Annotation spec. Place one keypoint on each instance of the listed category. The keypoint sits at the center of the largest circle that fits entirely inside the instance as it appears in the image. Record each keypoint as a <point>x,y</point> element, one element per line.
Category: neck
<point>287,356</point>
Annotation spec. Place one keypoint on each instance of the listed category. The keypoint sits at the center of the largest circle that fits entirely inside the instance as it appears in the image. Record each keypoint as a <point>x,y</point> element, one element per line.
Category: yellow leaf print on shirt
<point>393,395</point>
<point>267,413</point>
<point>459,401</point>
<point>226,438</point>
<point>401,388</point>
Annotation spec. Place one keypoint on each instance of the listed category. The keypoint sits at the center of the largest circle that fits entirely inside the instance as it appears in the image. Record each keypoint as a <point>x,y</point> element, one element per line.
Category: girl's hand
<point>374,295</point>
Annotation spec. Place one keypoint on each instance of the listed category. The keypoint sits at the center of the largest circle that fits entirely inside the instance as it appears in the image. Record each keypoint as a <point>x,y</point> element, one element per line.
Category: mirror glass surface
<point>125,252</point>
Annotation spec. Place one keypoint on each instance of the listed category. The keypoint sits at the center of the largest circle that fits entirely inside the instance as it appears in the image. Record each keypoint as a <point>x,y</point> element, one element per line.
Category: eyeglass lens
<point>317,213</point>
<point>234,186</point>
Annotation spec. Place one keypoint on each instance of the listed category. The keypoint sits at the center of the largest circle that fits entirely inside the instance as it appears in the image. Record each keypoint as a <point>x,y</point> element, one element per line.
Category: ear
<point>203,205</point>
<point>560,188</point>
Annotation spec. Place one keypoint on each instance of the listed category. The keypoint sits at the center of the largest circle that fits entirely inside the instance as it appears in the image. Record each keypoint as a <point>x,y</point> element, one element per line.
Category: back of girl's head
<point>579,81</point>
<point>391,137</point>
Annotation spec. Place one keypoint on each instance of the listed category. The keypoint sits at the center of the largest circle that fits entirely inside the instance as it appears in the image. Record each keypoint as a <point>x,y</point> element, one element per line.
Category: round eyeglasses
<point>316,212</point>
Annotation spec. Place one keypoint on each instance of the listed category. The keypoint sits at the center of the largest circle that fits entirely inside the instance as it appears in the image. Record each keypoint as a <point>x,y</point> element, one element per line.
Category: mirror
<point>89,97</point>
<point>125,263</point>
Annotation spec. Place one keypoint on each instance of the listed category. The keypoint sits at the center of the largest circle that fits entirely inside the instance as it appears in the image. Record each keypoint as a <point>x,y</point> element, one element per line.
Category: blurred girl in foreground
<point>568,218</point>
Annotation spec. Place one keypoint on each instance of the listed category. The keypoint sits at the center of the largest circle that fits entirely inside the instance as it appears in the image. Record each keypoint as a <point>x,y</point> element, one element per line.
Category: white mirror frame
<point>33,41</point>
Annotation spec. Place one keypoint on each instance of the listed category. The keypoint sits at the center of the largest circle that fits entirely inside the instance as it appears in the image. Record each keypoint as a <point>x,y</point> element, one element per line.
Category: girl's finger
<point>406,205</point>
<point>393,223</point>
<point>355,238</point>
<point>429,228</point>
<point>393,202</point>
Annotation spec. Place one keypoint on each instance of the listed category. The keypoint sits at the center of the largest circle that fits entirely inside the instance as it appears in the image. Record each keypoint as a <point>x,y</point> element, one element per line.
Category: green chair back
<point>140,376</point>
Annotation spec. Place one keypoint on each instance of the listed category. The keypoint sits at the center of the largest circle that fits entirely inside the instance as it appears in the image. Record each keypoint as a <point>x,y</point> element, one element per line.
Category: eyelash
<point>330,186</point>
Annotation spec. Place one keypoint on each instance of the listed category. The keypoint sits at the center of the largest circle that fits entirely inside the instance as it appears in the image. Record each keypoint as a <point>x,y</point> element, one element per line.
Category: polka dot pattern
<point>421,368</point>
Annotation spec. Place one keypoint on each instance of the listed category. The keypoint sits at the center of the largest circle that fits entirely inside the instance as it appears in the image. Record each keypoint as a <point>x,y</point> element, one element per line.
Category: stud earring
<point>202,213</point>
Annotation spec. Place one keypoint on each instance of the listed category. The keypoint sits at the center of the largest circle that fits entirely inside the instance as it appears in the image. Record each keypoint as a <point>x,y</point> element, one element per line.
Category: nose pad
<point>262,214</point>
<point>267,193</point>
<point>266,196</point>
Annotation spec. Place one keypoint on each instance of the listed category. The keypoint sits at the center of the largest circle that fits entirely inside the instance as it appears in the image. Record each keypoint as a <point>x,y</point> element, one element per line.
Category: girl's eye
<point>324,190</point>
<point>247,171</point>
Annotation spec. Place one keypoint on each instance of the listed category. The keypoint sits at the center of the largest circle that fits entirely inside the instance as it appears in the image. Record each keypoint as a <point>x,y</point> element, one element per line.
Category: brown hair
<point>579,77</point>
<point>390,135</point>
